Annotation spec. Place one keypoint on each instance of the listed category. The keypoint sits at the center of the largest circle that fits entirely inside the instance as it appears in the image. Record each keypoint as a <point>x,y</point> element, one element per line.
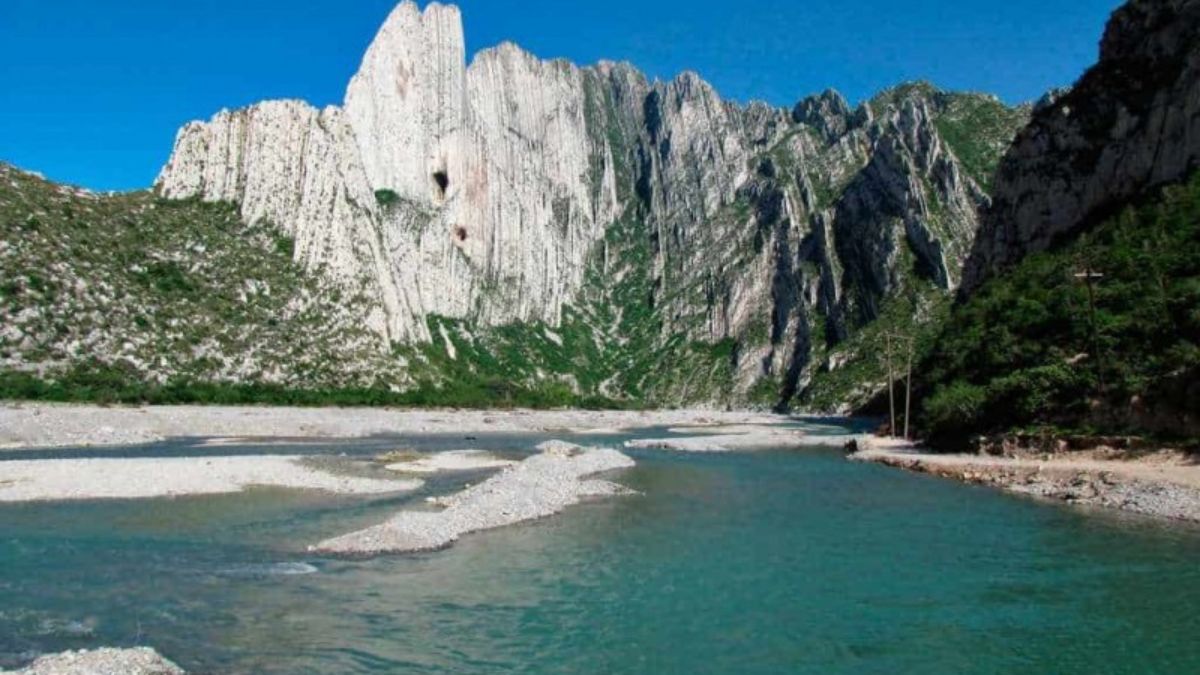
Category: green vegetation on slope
<point>861,374</point>
<point>608,350</point>
<point>979,129</point>
<point>165,293</point>
<point>136,299</point>
<point>1023,352</point>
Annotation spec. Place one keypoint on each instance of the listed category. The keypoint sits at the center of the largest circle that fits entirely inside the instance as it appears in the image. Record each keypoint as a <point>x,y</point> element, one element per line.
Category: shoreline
<point>51,426</point>
<point>63,480</point>
<point>1164,484</point>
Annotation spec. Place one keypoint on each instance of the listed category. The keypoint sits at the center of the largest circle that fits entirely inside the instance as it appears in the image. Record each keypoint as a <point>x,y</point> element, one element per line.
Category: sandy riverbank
<point>48,426</point>
<point>542,485</point>
<point>139,661</point>
<point>79,479</point>
<point>1163,484</point>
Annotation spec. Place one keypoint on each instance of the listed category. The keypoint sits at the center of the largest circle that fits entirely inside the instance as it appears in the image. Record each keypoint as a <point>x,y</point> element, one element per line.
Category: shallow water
<point>772,562</point>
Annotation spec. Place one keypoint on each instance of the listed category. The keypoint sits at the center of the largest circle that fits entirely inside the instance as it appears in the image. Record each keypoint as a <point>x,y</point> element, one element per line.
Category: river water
<point>774,562</point>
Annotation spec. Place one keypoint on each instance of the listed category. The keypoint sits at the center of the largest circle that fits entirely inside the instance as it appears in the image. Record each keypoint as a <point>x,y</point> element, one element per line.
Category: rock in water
<point>139,661</point>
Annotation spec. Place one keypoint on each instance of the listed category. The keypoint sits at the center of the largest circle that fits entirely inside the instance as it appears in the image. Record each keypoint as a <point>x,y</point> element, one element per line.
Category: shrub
<point>954,410</point>
<point>285,246</point>
<point>386,198</point>
<point>168,277</point>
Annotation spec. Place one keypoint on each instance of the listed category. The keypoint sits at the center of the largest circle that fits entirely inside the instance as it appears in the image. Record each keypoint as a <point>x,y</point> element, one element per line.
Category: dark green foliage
<point>168,277</point>
<point>956,409</point>
<point>120,383</point>
<point>285,246</point>
<point>387,197</point>
<point>979,129</point>
<point>1022,351</point>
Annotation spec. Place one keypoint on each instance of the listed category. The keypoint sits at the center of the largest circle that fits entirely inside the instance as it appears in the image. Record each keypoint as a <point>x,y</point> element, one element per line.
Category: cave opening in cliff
<point>441,180</point>
<point>460,233</point>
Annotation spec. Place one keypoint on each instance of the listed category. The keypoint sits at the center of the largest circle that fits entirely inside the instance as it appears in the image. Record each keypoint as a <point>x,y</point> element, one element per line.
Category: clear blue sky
<point>92,91</point>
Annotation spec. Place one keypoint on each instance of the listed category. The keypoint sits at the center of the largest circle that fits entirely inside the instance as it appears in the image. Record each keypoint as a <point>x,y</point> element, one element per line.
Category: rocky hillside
<point>1129,126</point>
<point>157,291</point>
<point>522,222</point>
<point>1082,307</point>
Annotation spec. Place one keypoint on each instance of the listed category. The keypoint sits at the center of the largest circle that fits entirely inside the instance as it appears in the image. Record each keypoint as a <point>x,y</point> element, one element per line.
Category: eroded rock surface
<point>653,214</point>
<point>1131,124</point>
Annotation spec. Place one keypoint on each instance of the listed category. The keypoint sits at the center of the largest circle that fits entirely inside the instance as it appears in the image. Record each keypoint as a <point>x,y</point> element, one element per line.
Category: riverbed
<point>775,561</point>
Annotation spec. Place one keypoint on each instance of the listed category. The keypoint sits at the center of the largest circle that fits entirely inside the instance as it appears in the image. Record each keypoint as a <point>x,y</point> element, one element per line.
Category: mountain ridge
<point>1081,305</point>
<point>471,204</point>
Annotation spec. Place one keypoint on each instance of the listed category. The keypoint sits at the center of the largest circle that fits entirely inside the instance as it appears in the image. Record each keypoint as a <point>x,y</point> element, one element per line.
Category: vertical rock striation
<point>465,192</point>
<point>486,193</point>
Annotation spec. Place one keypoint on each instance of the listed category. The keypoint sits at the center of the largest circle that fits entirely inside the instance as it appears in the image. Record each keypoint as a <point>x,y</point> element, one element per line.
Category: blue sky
<point>92,91</point>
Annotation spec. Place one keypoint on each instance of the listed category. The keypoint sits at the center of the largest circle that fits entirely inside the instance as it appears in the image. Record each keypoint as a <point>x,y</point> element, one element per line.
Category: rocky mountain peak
<point>828,112</point>
<point>1129,125</point>
<point>487,193</point>
<point>407,104</point>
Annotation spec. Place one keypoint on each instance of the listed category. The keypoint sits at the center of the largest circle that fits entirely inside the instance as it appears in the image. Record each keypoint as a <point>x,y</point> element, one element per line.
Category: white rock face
<point>407,105</point>
<point>484,192</point>
<point>287,162</point>
<point>491,171</point>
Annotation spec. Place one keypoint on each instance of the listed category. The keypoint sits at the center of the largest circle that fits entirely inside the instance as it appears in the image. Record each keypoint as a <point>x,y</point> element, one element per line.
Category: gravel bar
<point>540,486</point>
<point>81,479</point>
<point>28,425</point>
<point>139,661</point>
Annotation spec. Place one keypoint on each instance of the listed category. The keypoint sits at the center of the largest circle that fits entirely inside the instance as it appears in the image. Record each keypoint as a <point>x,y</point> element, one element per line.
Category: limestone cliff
<point>465,192</point>
<point>669,225</point>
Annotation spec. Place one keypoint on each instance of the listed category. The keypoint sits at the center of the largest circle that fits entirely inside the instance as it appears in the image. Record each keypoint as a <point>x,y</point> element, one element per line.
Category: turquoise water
<point>766,563</point>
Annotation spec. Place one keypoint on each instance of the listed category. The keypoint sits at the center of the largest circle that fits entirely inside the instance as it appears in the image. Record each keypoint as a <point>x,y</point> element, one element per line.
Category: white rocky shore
<point>540,486</point>
<point>79,479</point>
<point>138,661</point>
<point>48,426</point>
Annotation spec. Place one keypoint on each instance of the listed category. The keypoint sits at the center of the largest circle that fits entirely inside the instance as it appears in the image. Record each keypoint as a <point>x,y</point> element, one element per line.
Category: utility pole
<point>1090,277</point>
<point>911,343</point>
<point>912,347</point>
<point>891,388</point>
